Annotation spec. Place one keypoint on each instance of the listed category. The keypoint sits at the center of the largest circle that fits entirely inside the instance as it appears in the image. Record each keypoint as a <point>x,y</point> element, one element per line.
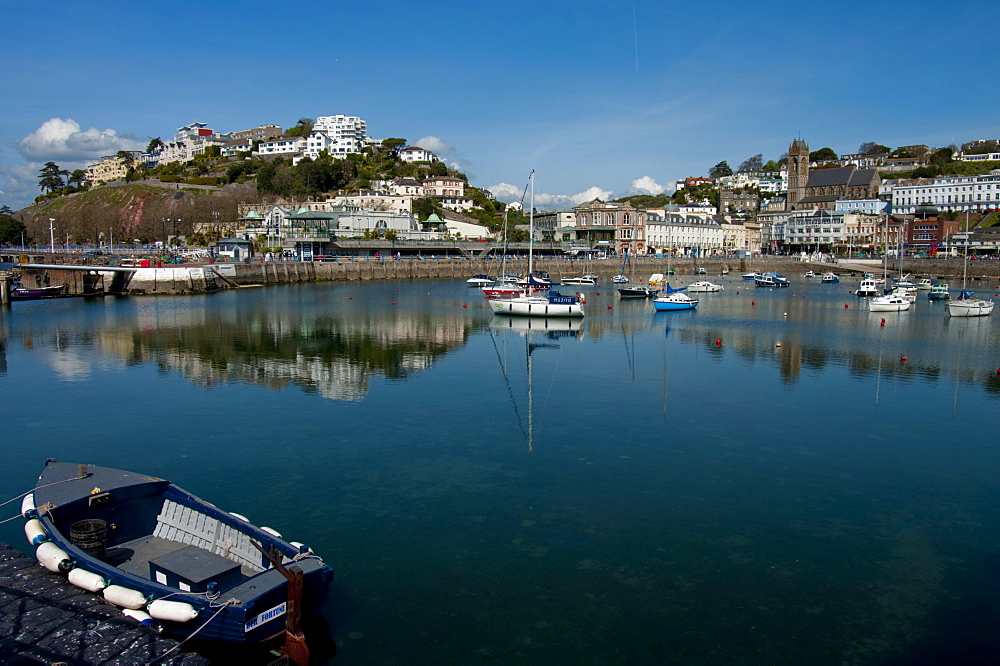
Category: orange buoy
<point>902,358</point>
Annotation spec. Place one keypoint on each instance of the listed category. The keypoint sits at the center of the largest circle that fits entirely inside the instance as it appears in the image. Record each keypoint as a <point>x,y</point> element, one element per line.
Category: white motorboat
<point>582,280</point>
<point>479,280</point>
<point>889,303</point>
<point>924,284</point>
<point>868,287</point>
<point>830,278</point>
<point>704,286</point>
<point>620,279</point>
<point>809,274</point>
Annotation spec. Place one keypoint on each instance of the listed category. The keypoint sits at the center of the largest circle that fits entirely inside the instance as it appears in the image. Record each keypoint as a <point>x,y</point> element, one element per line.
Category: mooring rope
<point>230,602</point>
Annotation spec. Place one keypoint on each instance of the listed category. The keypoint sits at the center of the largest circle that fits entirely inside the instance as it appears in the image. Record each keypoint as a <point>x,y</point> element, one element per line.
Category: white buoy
<point>139,616</point>
<point>34,531</point>
<point>175,611</point>
<point>27,504</point>
<point>272,532</point>
<point>236,515</point>
<point>124,597</point>
<point>51,556</point>
<point>86,580</point>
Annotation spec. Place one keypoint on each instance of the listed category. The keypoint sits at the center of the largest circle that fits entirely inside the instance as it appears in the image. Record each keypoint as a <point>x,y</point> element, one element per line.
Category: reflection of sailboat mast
<point>666,354</point>
<point>531,410</point>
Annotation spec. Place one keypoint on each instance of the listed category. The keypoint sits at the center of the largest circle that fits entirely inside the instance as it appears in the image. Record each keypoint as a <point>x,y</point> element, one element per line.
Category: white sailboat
<point>552,304</point>
<point>893,302</point>
<point>965,305</point>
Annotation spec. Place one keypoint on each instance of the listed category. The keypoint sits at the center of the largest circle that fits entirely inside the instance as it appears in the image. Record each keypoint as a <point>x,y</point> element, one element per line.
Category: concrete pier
<point>45,620</point>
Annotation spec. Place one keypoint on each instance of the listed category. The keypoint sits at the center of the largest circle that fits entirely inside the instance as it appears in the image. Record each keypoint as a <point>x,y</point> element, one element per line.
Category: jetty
<point>45,620</point>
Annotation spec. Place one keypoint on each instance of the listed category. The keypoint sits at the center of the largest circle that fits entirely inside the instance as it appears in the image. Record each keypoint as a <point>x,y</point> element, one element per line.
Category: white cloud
<point>434,144</point>
<point>511,193</point>
<point>63,139</point>
<point>645,185</point>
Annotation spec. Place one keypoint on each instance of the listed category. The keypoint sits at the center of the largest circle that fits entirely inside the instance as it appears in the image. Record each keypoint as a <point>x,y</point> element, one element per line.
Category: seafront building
<point>947,193</point>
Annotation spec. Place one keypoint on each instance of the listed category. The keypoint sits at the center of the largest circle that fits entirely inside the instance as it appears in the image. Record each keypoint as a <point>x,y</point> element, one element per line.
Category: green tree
<point>78,177</point>
<point>822,155</point>
<point>11,230</point>
<point>303,127</point>
<point>942,156</point>
<point>720,169</point>
<point>154,144</point>
<point>51,177</point>
<point>393,146</point>
<point>423,207</point>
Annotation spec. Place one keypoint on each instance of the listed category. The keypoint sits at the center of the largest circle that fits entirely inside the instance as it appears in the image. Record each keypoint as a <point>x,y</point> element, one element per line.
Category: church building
<point>822,188</point>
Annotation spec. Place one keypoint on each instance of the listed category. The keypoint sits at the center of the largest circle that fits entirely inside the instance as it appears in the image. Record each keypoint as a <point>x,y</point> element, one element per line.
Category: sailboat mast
<point>531,229</point>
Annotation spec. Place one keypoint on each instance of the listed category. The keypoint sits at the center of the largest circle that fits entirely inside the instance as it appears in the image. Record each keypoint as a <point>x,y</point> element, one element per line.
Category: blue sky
<point>600,98</point>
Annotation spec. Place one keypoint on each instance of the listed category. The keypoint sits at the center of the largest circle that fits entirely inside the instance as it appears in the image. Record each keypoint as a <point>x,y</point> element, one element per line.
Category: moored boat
<point>939,292</point>
<point>479,280</point>
<point>868,287</point>
<point>830,278</point>
<point>28,293</point>
<point>889,303</point>
<point>144,543</point>
<point>771,280</point>
<point>967,306</point>
<point>924,284</point>
<point>704,286</point>
<point>637,291</point>
<point>678,300</point>
<point>582,280</point>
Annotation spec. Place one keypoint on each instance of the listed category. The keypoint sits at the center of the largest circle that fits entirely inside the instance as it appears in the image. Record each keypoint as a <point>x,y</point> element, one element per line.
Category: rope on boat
<point>54,483</point>
<point>14,499</point>
<point>229,602</point>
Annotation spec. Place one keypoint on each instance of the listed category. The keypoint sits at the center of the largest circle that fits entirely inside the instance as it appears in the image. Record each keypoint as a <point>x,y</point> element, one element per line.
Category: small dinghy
<point>148,546</point>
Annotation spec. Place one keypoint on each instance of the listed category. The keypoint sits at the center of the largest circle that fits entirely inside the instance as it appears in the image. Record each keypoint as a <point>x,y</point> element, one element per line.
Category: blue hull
<point>151,519</point>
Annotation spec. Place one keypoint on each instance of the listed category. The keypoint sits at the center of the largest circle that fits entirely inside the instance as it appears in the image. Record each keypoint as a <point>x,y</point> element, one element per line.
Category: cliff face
<point>145,210</point>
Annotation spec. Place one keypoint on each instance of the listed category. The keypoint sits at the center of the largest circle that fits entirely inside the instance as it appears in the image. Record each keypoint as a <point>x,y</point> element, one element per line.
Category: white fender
<point>241,517</point>
<point>124,597</point>
<point>34,531</point>
<point>272,532</point>
<point>302,548</point>
<point>27,504</point>
<point>139,616</point>
<point>86,580</point>
<point>51,556</point>
<point>175,611</point>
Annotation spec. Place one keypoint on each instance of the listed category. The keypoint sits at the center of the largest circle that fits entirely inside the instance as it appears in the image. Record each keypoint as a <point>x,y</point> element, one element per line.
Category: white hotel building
<point>946,193</point>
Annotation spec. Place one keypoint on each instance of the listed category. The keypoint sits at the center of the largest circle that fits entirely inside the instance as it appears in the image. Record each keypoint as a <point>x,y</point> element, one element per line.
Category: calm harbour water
<point>655,497</point>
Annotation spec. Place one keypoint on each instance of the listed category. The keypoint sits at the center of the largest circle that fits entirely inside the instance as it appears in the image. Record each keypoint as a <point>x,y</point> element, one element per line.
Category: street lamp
<point>52,238</point>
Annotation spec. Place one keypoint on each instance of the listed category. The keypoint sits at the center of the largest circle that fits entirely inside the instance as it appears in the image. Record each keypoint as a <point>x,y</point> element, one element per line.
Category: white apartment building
<point>404,187</point>
<point>828,229</point>
<point>946,193</point>
<point>692,234</point>
<point>342,135</point>
<point>294,145</point>
<point>866,206</point>
<point>366,200</point>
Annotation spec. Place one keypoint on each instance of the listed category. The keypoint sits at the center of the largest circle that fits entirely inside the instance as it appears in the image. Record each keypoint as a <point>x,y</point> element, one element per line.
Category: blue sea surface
<point>763,480</point>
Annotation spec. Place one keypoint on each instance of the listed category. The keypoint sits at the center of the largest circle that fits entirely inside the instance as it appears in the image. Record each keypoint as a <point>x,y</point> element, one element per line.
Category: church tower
<point>798,173</point>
